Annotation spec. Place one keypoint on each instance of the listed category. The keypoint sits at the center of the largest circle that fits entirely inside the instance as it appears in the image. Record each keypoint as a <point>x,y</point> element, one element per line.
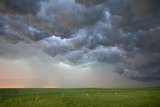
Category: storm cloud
<point>123,33</point>
<point>19,6</point>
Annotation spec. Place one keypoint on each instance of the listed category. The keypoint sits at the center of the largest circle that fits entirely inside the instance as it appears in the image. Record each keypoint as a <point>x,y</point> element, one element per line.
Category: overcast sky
<point>79,43</point>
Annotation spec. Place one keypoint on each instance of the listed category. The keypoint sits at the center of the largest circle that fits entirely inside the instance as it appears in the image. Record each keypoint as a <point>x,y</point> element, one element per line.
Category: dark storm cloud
<point>17,21</point>
<point>67,16</point>
<point>89,2</point>
<point>18,28</point>
<point>136,35</point>
<point>145,8</point>
<point>140,40</point>
<point>124,33</point>
<point>19,6</point>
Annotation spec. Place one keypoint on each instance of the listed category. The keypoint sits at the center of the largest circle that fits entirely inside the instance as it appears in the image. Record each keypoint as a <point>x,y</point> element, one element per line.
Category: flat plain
<point>80,97</point>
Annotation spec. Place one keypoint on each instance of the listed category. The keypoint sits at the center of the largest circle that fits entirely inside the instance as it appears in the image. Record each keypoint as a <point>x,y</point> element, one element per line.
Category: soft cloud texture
<point>120,33</point>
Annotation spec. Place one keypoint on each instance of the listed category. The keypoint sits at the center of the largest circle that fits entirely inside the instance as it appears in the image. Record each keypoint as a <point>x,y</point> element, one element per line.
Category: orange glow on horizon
<point>18,86</point>
<point>22,84</point>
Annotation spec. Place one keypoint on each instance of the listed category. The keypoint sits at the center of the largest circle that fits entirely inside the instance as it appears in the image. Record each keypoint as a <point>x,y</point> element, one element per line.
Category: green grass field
<point>36,97</point>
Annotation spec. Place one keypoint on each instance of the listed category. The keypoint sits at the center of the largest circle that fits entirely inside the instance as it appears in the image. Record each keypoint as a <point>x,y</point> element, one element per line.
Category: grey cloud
<point>133,74</point>
<point>136,39</point>
<point>18,28</point>
<point>141,55</point>
<point>55,46</point>
<point>67,16</point>
<point>145,7</point>
<point>7,34</point>
<point>149,41</point>
<point>89,2</point>
<point>19,6</point>
<point>124,33</point>
<point>18,50</point>
<point>106,54</point>
<point>66,48</point>
<point>100,54</point>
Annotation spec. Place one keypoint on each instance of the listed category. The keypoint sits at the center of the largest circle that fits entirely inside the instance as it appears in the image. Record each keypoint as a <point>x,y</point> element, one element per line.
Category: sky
<point>79,43</point>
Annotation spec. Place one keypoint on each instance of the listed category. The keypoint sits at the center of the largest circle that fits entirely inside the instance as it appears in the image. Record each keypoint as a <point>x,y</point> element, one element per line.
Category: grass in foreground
<point>146,97</point>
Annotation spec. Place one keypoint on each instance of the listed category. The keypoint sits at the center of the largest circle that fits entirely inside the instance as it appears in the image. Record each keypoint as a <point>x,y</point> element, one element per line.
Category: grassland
<point>90,97</point>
